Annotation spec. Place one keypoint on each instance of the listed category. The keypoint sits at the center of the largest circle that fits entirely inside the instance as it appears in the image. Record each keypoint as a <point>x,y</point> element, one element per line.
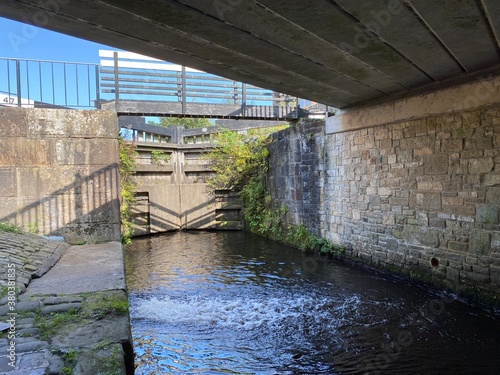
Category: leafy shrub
<point>127,155</point>
<point>241,163</point>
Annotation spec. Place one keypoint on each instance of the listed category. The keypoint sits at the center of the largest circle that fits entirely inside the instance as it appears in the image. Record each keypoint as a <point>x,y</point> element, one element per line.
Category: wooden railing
<point>133,129</point>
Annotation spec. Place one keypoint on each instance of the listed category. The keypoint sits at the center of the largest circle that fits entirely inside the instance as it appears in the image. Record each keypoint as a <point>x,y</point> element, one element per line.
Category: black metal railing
<point>43,83</point>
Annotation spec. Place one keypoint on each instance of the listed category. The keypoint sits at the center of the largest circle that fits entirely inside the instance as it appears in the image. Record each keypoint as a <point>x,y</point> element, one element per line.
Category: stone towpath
<point>85,290</point>
<point>83,269</point>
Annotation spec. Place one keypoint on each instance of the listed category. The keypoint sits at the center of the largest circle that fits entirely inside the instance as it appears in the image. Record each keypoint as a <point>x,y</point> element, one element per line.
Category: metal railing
<point>136,78</point>
<point>134,84</point>
<point>43,83</point>
<point>140,76</point>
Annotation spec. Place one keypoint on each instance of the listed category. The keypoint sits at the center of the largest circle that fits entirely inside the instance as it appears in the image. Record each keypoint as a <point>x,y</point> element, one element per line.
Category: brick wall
<point>421,195</point>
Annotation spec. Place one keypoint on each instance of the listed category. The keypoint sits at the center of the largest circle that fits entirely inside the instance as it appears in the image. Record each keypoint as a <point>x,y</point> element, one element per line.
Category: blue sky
<point>19,40</point>
<point>22,41</point>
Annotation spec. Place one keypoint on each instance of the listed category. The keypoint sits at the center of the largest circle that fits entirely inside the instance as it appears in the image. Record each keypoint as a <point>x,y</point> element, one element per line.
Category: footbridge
<point>140,85</point>
<point>135,85</point>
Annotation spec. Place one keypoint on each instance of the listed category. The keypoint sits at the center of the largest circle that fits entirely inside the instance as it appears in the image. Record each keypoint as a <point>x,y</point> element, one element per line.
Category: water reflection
<point>218,303</point>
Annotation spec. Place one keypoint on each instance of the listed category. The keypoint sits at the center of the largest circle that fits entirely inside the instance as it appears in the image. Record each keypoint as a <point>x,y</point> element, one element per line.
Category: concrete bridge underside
<point>407,176</point>
<point>337,52</point>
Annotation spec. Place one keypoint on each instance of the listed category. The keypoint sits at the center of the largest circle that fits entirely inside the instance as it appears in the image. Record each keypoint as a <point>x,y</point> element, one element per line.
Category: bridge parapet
<point>31,83</point>
<point>132,84</point>
<point>133,128</point>
<point>144,85</point>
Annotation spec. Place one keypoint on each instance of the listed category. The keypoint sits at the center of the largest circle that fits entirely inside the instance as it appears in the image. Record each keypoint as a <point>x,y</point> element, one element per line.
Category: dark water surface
<point>234,303</point>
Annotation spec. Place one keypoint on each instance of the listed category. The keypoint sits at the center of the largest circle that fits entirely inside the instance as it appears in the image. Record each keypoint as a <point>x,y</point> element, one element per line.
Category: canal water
<point>235,303</point>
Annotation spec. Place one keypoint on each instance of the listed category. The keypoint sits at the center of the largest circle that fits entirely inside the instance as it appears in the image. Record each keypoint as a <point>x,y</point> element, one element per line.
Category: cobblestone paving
<point>33,356</point>
<point>32,255</point>
<point>94,338</point>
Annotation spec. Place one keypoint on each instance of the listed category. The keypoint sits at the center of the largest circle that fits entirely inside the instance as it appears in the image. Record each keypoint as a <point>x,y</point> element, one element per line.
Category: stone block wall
<point>419,195</point>
<point>297,173</point>
<point>59,173</point>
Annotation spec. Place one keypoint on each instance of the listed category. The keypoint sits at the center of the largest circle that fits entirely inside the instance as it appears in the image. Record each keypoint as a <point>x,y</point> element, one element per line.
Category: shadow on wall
<point>87,210</point>
<point>194,218</point>
<point>160,218</point>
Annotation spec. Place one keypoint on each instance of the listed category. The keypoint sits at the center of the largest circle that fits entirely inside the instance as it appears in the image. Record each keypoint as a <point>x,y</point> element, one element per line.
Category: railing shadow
<point>183,218</point>
<point>85,210</point>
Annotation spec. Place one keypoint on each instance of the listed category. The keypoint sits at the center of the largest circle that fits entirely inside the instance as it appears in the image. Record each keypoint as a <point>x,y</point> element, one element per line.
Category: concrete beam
<point>464,97</point>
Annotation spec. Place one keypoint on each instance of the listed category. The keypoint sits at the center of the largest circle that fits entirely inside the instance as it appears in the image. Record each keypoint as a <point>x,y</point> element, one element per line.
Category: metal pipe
<point>183,90</point>
<point>54,86</point>
<point>8,80</point>
<point>117,77</point>
<point>77,87</point>
<point>88,86</point>
<point>40,79</point>
<point>97,89</point>
<point>28,80</point>
<point>18,79</point>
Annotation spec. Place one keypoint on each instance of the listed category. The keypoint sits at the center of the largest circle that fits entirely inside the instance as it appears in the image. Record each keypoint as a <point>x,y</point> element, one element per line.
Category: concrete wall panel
<point>198,210</point>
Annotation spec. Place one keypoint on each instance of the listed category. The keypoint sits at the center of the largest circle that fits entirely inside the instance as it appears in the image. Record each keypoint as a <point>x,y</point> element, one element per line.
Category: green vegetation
<point>158,156</point>
<point>128,185</point>
<point>101,305</point>
<point>4,291</point>
<point>241,163</point>
<point>70,358</point>
<point>10,228</point>
<point>238,160</point>
<point>33,227</point>
<point>49,325</point>
<point>188,123</point>
<point>110,362</point>
<point>106,357</point>
<point>94,307</point>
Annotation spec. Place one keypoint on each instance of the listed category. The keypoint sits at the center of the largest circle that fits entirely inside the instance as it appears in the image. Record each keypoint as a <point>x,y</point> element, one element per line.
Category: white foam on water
<point>240,313</point>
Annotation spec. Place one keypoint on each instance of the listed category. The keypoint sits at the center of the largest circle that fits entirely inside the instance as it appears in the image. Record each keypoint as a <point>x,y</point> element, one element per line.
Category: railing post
<point>18,79</point>
<point>235,93</point>
<point>277,104</point>
<point>117,84</point>
<point>179,87</point>
<point>54,85</point>
<point>183,90</point>
<point>177,135</point>
<point>97,88</point>
<point>243,98</point>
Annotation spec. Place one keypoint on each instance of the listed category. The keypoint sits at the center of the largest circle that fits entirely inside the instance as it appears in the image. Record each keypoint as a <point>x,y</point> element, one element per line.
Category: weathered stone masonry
<point>419,195</point>
<point>59,172</point>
